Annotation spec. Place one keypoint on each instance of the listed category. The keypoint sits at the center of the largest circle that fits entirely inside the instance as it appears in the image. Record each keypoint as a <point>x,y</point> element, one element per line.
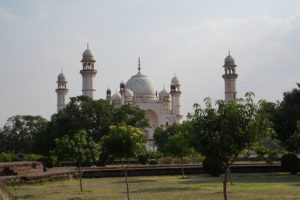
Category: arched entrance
<point>153,122</point>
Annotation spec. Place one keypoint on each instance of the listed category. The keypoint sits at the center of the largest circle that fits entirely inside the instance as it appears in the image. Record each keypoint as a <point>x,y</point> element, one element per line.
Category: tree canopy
<point>286,117</point>
<point>21,134</point>
<point>93,116</point>
<point>124,141</point>
<point>77,149</point>
<point>161,136</point>
<point>224,131</point>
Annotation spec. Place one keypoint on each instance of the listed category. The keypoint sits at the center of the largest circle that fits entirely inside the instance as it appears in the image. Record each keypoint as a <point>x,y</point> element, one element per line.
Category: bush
<point>261,151</point>
<point>33,157</point>
<point>212,166</point>
<point>8,157</point>
<point>50,161</point>
<point>290,162</point>
<point>143,158</point>
<point>185,160</point>
<point>166,160</point>
<point>196,158</point>
<point>153,162</point>
<point>153,155</point>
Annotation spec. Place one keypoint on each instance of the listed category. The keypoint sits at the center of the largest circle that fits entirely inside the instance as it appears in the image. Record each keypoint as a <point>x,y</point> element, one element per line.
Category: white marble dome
<point>229,60</point>
<point>163,93</point>
<point>61,78</point>
<point>87,55</point>
<point>128,93</point>
<point>116,97</point>
<point>175,81</point>
<point>141,86</point>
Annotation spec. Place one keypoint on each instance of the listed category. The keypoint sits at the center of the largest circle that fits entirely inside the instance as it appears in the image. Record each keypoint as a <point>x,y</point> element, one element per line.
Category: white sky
<point>188,37</point>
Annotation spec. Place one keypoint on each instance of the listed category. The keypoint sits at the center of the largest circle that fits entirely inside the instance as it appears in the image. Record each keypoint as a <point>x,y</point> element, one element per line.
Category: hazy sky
<point>188,37</point>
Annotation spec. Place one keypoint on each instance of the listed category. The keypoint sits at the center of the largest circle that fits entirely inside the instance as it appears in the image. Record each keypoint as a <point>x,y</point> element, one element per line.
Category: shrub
<point>271,156</point>
<point>213,166</point>
<point>196,158</point>
<point>33,157</point>
<point>143,158</point>
<point>166,160</point>
<point>50,161</point>
<point>153,162</point>
<point>153,155</point>
<point>8,157</point>
<point>261,151</point>
<point>289,162</point>
<point>185,160</point>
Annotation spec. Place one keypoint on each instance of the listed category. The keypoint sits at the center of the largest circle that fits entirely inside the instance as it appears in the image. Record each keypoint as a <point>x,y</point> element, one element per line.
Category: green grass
<point>267,186</point>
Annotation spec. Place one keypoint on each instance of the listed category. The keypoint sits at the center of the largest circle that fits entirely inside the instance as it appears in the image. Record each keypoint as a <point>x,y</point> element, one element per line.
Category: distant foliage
<point>21,134</point>
<point>8,157</point>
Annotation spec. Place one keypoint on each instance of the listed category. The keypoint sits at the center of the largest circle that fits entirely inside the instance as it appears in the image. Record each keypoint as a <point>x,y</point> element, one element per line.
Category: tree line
<point>96,130</point>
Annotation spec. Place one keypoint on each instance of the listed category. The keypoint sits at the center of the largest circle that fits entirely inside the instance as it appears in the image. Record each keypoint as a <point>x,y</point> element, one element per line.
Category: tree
<point>294,139</point>
<point>94,116</point>
<point>82,113</point>
<point>178,146</point>
<point>20,133</point>
<point>130,115</point>
<point>225,131</point>
<point>122,142</point>
<point>77,149</point>
<point>286,118</point>
<point>161,136</point>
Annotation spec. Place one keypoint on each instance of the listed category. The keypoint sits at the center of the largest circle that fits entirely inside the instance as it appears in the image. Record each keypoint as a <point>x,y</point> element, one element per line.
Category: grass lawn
<point>268,186</point>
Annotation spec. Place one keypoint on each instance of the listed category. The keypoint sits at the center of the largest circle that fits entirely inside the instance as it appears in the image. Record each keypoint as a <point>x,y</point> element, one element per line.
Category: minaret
<point>175,95</point>
<point>61,91</point>
<point>229,77</point>
<point>88,73</point>
<point>108,95</point>
<point>122,92</point>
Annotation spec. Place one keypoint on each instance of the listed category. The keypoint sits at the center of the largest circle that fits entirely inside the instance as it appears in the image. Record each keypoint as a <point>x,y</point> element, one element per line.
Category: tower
<point>88,73</point>
<point>175,95</point>
<point>61,91</point>
<point>108,94</point>
<point>122,92</point>
<point>230,77</point>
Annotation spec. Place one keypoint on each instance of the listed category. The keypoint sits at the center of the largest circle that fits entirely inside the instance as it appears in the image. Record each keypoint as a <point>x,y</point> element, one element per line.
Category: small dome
<point>229,60</point>
<point>87,55</point>
<point>128,93</point>
<point>175,81</point>
<point>61,78</point>
<point>116,97</point>
<point>163,93</point>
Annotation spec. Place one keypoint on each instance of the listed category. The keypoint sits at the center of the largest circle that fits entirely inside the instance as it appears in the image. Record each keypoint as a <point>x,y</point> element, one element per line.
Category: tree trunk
<point>182,169</point>
<point>126,180</point>
<point>127,186</point>
<point>225,183</point>
<point>80,175</point>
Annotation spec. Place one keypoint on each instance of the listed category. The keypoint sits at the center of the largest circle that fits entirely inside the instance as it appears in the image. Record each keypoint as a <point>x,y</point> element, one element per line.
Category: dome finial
<point>87,46</point>
<point>139,65</point>
<point>229,53</point>
<point>61,71</point>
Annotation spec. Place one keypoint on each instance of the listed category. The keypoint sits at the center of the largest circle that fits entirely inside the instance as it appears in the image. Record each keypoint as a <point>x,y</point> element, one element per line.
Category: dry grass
<point>267,186</point>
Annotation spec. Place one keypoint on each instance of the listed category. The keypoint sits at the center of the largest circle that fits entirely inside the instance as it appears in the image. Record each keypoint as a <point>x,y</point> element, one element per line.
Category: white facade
<point>160,109</point>
<point>88,73</point>
<point>230,77</point>
<point>61,91</point>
